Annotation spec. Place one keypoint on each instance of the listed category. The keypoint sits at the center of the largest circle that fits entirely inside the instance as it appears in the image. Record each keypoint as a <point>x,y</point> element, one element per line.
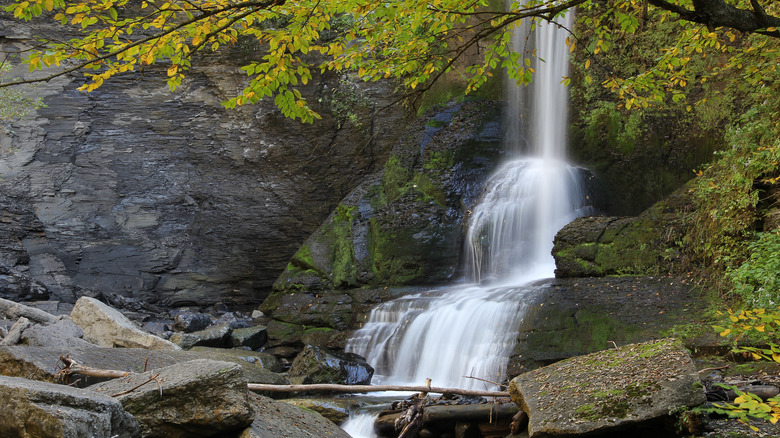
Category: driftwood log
<point>477,413</point>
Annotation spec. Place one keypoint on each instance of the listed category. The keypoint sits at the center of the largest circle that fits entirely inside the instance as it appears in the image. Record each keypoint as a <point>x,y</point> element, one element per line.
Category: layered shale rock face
<point>169,197</point>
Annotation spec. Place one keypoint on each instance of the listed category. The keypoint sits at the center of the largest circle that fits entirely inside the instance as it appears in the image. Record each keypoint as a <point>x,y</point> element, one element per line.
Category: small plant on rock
<point>762,323</point>
<point>747,407</point>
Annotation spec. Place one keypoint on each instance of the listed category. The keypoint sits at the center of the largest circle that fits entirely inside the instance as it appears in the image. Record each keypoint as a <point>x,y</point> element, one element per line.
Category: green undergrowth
<point>734,197</point>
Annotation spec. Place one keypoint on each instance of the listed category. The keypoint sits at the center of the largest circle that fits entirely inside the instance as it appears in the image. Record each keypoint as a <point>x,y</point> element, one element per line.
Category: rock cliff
<point>168,197</point>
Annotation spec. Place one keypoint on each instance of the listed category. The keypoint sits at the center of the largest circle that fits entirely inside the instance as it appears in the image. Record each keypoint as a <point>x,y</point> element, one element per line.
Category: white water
<point>459,332</point>
<point>361,425</point>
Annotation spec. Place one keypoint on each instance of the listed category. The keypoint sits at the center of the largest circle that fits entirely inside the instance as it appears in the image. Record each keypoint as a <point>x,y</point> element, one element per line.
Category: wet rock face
<point>572,317</point>
<point>323,366</point>
<point>169,197</point>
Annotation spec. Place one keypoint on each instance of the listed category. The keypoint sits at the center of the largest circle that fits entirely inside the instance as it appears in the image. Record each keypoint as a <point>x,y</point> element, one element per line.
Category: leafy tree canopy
<point>409,41</point>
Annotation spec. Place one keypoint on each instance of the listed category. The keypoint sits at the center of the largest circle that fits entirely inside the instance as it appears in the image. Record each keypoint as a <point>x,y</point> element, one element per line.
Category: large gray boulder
<point>41,363</point>
<point>277,419</point>
<point>608,390</point>
<point>252,337</point>
<point>107,327</point>
<point>200,398</point>
<point>214,336</point>
<point>31,408</point>
<point>62,333</point>
<point>258,367</point>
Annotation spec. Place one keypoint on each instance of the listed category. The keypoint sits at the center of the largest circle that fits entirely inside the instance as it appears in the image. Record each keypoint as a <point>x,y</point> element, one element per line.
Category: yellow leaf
<point>725,332</point>
<point>760,328</point>
<point>587,63</point>
<point>776,357</point>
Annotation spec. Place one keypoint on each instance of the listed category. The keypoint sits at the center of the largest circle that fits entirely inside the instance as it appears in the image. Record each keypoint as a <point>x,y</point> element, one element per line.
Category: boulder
<point>39,409</point>
<point>256,365</point>
<point>63,333</point>
<point>107,327</point>
<point>14,334</point>
<point>252,337</point>
<point>334,409</point>
<point>214,336</point>
<point>277,419</point>
<point>402,225</point>
<point>40,363</point>
<point>200,398</point>
<point>325,366</point>
<point>189,322</point>
<point>609,390</point>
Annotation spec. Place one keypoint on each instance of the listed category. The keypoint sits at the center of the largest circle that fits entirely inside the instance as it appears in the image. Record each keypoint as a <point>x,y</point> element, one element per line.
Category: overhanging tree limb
<point>718,13</point>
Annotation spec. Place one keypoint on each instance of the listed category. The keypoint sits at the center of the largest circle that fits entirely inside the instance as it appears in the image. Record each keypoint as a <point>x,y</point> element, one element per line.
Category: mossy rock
<point>647,244</point>
<point>609,390</point>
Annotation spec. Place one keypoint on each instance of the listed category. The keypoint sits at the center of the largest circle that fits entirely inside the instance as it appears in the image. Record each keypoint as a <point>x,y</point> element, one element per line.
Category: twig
<point>714,368</point>
<point>485,380</point>
<point>154,377</point>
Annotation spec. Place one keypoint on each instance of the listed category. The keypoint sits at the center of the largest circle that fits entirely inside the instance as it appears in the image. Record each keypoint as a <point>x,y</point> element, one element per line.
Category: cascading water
<point>456,333</point>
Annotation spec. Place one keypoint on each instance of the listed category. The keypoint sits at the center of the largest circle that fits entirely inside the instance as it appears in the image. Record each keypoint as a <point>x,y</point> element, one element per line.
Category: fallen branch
<point>372,388</point>
<point>72,367</point>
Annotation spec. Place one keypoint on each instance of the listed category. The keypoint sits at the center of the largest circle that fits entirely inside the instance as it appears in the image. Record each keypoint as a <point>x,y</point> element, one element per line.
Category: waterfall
<point>459,332</point>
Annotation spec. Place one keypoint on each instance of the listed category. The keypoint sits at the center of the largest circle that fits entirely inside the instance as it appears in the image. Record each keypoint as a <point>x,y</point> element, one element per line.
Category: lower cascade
<point>462,335</point>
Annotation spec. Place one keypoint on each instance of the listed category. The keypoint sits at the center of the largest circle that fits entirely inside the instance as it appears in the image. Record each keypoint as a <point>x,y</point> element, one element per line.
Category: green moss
<point>391,262</point>
<point>609,393</point>
<point>395,180</point>
<point>439,161</point>
<point>428,191</point>
<point>342,255</point>
<point>587,412</point>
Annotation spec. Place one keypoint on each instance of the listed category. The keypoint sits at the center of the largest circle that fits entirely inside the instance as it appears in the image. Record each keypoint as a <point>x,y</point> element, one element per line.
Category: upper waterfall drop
<point>511,229</point>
